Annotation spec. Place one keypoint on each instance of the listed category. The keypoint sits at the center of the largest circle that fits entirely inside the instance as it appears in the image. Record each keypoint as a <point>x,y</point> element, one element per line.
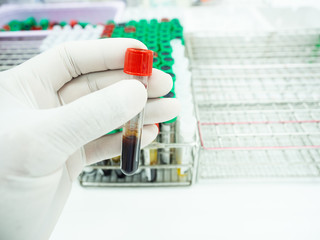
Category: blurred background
<point>242,160</point>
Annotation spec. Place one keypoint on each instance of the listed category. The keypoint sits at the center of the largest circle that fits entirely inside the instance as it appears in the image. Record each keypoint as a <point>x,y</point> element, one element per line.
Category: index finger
<point>61,64</point>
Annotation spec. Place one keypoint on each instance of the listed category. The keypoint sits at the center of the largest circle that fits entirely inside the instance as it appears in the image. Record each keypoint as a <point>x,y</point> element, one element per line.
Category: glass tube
<point>131,138</point>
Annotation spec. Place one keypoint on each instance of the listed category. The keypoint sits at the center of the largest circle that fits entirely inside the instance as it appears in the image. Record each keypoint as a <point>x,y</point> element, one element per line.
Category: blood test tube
<point>153,21</point>
<point>167,136</point>
<point>175,21</point>
<point>63,23</point>
<point>131,23</point>
<point>150,158</point>
<point>105,172</point>
<point>168,60</point>
<point>165,67</point>
<point>166,48</point>
<point>115,162</point>
<point>110,22</point>
<point>15,25</point>
<point>44,23</point>
<point>143,22</point>
<point>28,23</point>
<point>83,24</point>
<point>153,47</point>
<point>138,65</point>
<point>73,22</point>
<point>6,27</point>
<point>165,54</point>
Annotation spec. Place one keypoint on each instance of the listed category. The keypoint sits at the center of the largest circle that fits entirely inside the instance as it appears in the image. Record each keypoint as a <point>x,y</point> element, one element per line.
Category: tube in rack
<point>138,65</point>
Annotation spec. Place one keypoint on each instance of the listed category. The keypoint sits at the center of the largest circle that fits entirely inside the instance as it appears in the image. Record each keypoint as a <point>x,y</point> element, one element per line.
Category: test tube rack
<point>158,36</point>
<point>257,100</point>
<point>16,50</point>
<point>104,175</point>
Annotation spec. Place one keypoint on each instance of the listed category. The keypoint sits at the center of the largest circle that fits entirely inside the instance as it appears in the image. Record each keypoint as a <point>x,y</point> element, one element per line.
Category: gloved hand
<point>55,111</point>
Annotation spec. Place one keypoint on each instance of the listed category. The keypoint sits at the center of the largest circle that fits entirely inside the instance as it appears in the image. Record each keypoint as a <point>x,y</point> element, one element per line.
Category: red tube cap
<point>138,62</point>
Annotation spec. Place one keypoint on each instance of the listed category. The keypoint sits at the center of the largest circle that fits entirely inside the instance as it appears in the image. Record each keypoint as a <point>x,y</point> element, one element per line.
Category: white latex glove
<point>55,111</point>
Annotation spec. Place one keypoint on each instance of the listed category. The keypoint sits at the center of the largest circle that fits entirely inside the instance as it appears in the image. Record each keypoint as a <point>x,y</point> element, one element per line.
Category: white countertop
<point>203,211</point>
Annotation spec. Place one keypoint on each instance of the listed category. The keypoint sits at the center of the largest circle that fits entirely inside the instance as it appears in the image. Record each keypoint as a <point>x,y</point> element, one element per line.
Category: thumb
<point>96,114</point>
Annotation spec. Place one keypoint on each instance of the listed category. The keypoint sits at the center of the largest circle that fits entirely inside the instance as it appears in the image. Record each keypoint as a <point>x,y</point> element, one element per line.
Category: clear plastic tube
<point>150,157</point>
<point>138,66</point>
<point>131,138</point>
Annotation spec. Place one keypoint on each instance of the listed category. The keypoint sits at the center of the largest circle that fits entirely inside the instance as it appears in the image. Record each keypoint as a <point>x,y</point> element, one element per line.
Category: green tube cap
<point>15,25</point>
<point>165,67</point>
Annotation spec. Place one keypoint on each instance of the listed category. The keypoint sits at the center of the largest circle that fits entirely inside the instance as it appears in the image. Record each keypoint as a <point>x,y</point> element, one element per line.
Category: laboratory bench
<point>223,210</point>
